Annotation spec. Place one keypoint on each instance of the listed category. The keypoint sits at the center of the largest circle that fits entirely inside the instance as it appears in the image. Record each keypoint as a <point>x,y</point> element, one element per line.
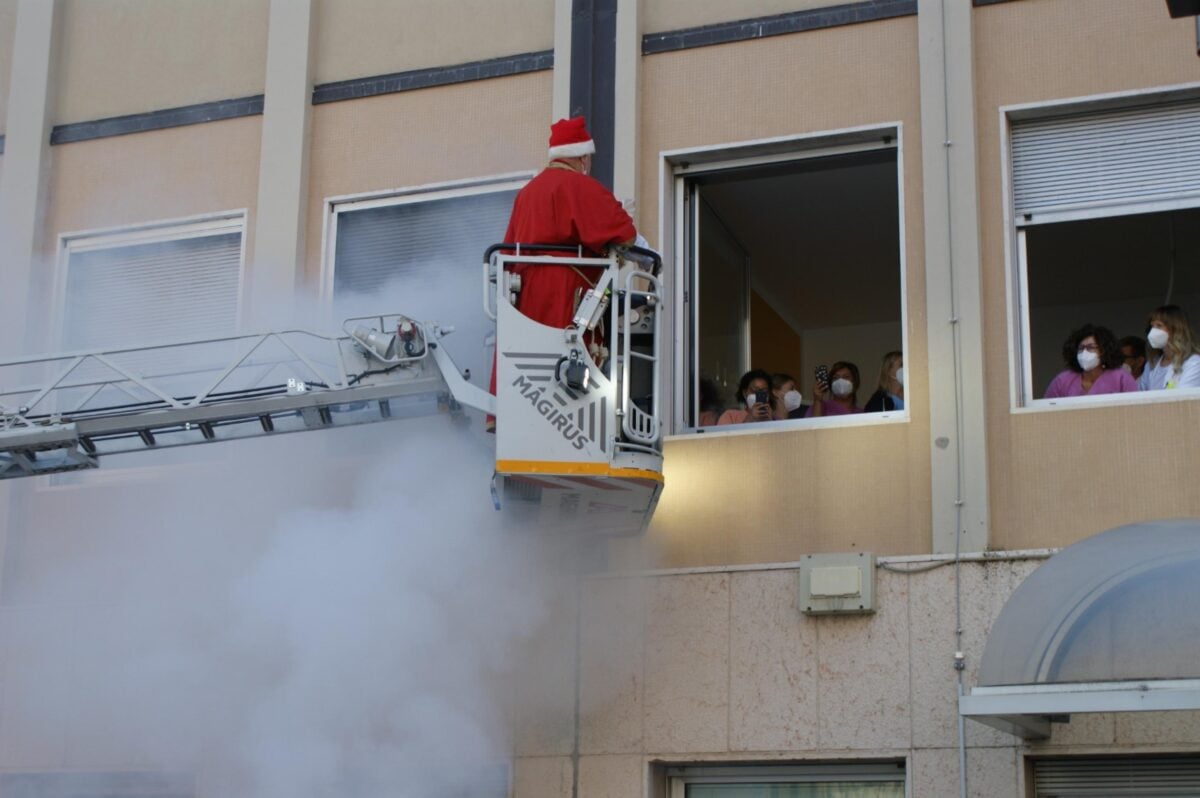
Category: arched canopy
<point>1108,624</point>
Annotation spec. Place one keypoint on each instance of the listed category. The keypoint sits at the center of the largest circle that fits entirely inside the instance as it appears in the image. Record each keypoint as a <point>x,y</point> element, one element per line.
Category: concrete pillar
<point>625,123</point>
<point>279,230</point>
<point>26,166</point>
<point>952,277</point>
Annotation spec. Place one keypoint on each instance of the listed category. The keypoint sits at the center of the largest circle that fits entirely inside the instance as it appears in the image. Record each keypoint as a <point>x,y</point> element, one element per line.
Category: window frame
<point>679,777</point>
<point>151,232</point>
<point>675,168</point>
<point>1022,391</point>
<point>334,206</point>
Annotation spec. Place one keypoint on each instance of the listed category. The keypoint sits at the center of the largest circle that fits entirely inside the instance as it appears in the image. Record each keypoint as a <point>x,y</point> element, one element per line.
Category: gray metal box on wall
<point>837,583</point>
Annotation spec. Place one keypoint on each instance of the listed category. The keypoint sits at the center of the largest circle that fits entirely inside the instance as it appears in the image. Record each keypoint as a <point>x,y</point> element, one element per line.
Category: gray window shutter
<point>1117,777</point>
<point>423,259</point>
<point>1108,159</point>
<point>416,244</point>
<point>151,293</point>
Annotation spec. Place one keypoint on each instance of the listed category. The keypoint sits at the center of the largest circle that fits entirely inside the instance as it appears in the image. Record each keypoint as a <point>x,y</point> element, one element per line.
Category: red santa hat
<point>569,139</point>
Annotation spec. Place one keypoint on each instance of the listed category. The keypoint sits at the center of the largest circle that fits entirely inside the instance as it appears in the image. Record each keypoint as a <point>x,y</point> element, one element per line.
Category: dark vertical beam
<point>593,76</point>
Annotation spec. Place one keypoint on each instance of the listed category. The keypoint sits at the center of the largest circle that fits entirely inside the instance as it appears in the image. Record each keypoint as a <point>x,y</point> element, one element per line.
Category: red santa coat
<point>562,206</point>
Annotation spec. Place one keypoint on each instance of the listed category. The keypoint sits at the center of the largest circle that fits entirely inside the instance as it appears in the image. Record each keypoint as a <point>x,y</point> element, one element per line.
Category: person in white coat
<point>1174,357</point>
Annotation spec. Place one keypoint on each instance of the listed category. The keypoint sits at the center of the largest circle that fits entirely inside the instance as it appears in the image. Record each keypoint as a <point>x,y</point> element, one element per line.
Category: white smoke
<point>333,613</point>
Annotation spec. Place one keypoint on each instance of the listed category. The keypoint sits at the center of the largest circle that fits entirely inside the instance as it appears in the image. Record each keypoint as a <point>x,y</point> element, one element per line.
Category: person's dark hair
<point>1110,351</point>
<point>749,377</point>
<point>853,369</point>
<point>1134,342</point>
<point>779,379</point>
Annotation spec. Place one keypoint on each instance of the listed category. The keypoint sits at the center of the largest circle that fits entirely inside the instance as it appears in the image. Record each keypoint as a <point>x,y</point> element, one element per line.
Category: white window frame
<point>675,167</point>
<point>1020,351</point>
<point>679,777</point>
<point>153,232</point>
<point>334,206</point>
<point>156,232</point>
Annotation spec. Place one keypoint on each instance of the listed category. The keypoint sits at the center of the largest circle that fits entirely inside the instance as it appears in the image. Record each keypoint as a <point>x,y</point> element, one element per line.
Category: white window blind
<point>143,294</point>
<point>1109,159</point>
<point>418,244</point>
<point>1117,777</point>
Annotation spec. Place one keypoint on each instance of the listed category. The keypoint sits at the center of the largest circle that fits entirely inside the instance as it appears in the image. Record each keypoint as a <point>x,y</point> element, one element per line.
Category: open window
<point>1106,211</point>
<point>791,261</point>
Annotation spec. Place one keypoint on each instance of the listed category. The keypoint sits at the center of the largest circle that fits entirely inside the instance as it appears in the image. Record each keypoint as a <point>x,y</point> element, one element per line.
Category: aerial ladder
<point>578,431</point>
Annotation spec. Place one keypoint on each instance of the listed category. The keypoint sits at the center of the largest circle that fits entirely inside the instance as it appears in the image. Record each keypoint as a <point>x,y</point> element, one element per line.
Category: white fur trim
<point>576,150</point>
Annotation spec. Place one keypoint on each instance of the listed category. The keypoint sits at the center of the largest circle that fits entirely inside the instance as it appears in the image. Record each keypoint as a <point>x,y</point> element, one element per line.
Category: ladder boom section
<point>66,412</point>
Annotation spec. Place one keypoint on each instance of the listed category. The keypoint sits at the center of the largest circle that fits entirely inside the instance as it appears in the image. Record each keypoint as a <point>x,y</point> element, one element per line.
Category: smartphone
<point>822,374</point>
<point>760,397</point>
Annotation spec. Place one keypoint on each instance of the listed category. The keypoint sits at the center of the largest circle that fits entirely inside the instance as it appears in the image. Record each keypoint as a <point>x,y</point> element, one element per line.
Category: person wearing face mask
<point>840,396</point>
<point>1094,365</point>
<point>788,401</point>
<point>1174,360</point>
<point>890,395</point>
<point>755,400</point>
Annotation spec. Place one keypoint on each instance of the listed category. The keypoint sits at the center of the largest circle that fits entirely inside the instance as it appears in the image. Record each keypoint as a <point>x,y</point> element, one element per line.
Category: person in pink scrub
<point>840,396</point>
<point>755,400</point>
<point>1093,359</point>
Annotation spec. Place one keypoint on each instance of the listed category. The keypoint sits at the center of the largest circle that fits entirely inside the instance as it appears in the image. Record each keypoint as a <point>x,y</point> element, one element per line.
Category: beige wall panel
<point>8,26</point>
<point>144,177</point>
<point>773,677</point>
<point>665,15</point>
<point>772,497</point>
<point>361,38</point>
<point>468,130</point>
<point>611,689</point>
<point>131,56</point>
<point>862,676</point>
<point>1034,51</point>
<point>612,776</point>
<point>542,777</point>
<point>687,667</point>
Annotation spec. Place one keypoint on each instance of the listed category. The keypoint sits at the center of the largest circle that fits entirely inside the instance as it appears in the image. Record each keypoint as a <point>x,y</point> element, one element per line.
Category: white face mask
<point>842,387</point>
<point>791,400</point>
<point>1087,360</point>
<point>1128,369</point>
<point>1157,338</point>
<point>900,375</point>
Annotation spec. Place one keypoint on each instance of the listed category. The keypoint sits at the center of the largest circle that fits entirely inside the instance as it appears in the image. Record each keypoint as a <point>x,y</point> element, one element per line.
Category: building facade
<point>961,182</point>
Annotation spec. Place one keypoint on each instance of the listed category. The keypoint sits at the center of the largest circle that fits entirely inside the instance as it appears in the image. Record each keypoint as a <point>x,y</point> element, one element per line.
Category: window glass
<point>793,266</point>
<point>1109,272</point>
<point>146,293</point>
<point>423,259</point>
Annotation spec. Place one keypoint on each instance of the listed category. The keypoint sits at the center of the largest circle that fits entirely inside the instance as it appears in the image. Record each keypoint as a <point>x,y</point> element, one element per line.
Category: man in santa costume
<point>563,204</point>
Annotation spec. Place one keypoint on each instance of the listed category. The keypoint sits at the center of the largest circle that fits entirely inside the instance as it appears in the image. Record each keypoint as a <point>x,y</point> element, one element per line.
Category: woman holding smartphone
<point>839,395</point>
<point>755,399</point>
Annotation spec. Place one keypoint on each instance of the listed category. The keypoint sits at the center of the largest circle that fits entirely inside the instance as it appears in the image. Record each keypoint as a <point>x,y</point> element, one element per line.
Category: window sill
<point>1108,400</point>
<point>793,425</point>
